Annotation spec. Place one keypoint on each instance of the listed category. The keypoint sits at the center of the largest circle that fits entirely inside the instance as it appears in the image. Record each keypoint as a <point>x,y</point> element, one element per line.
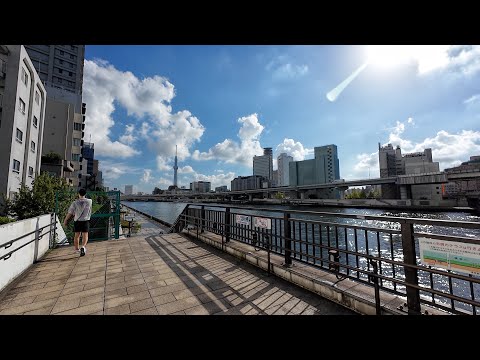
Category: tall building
<point>393,163</point>
<point>274,182</point>
<point>263,165</point>
<point>464,186</point>
<point>22,114</point>
<point>175,168</point>
<point>324,168</point>
<point>222,188</point>
<point>283,169</point>
<point>60,67</point>
<point>128,189</point>
<point>200,186</point>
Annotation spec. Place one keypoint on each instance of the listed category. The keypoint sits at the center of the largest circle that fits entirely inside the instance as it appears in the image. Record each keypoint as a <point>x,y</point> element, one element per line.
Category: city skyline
<point>223,104</point>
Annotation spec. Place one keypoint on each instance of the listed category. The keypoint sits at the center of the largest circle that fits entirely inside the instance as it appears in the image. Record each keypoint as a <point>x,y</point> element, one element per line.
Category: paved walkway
<point>151,274</point>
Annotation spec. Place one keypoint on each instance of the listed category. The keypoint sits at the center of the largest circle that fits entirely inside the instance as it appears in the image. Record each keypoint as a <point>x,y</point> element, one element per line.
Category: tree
<point>279,195</point>
<point>38,200</point>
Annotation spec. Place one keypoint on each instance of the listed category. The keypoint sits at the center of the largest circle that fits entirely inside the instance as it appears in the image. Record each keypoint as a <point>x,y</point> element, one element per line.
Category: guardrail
<point>380,251</point>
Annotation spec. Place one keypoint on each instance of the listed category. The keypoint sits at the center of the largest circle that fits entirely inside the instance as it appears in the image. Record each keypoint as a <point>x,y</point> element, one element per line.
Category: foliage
<point>157,191</point>
<point>279,195</point>
<point>362,194</point>
<point>38,200</point>
<point>5,220</point>
<point>51,158</point>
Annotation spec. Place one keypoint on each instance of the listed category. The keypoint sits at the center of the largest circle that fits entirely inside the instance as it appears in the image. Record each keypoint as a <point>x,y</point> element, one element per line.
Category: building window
<point>59,80</point>
<point>32,146</point>
<point>72,47</point>
<point>22,106</point>
<point>61,52</point>
<point>75,157</point>
<point>60,71</point>
<point>69,73</point>
<point>71,65</point>
<point>35,121</point>
<point>30,171</point>
<point>76,142</point>
<point>37,97</point>
<point>16,166</point>
<point>24,77</point>
<point>61,62</point>
<point>72,57</point>
<point>19,135</point>
<point>77,126</point>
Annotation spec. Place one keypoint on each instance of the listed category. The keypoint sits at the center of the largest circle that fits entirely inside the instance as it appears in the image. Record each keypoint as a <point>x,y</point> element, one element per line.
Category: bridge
<point>402,181</point>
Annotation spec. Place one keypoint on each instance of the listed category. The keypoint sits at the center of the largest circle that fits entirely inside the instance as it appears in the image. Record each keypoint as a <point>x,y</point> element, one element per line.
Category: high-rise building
<point>61,69</point>
<point>128,189</point>
<point>283,169</point>
<point>391,161</point>
<point>324,168</point>
<point>22,114</point>
<point>263,165</point>
<point>200,186</point>
<point>59,66</point>
<point>274,182</point>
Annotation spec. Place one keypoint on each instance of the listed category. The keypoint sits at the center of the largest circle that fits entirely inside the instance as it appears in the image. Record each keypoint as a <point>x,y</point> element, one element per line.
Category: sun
<point>390,55</point>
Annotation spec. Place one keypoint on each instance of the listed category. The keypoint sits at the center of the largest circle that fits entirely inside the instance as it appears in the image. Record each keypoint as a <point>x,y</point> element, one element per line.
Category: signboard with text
<point>242,219</point>
<point>263,223</point>
<point>451,255</point>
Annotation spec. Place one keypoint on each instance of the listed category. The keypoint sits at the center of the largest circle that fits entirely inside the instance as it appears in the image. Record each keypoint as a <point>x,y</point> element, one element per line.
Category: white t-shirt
<point>81,209</point>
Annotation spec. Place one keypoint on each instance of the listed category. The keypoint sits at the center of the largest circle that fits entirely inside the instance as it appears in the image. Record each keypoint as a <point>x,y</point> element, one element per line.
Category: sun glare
<point>390,55</point>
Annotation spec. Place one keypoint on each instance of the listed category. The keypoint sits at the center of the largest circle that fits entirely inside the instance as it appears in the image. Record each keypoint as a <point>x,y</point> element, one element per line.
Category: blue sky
<point>222,104</point>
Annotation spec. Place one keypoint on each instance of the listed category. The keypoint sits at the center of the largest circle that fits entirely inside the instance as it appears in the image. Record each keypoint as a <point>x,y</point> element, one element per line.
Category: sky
<point>222,104</point>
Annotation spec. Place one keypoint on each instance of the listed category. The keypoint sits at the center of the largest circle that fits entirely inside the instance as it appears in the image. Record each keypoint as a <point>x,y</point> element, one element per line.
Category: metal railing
<point>39,234</point>
<point>373,250</point>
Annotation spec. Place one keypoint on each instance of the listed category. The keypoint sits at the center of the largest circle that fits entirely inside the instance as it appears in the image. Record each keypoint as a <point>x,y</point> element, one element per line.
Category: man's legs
<point>85,238</point>
<point>76,240</point>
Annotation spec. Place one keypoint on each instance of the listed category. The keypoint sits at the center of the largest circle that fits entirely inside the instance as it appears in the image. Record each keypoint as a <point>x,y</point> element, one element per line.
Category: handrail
<point>10,242</point>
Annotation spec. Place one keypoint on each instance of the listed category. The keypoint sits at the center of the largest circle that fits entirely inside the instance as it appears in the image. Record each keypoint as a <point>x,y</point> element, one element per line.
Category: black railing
<point>39,234</point>
<point>378,251</point>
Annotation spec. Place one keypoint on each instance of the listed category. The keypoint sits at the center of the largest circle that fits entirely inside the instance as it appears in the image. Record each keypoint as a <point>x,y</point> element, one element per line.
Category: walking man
<point>80,210</point>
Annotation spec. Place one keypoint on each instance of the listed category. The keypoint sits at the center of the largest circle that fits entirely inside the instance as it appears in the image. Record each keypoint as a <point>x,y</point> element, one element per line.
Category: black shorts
<point>81,226</point>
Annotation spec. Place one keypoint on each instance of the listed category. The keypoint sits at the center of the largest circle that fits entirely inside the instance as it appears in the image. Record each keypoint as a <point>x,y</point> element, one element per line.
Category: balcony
<point>68,166</point>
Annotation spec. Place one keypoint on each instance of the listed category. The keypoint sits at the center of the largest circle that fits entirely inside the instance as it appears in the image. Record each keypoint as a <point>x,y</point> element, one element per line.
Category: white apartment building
<point>22,113</point>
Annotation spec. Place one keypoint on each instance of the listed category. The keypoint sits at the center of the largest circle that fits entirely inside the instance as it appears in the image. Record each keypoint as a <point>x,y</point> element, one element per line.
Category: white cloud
<point>472,99</point>
<point>463,59</point>
<point>162,165</point>
<point>147,176</point>
<point>216,180</point>
<point>113,170</point>
<point>410,120</point>
<point>164,181</point>
<point>185,170</point>
<point>293,148</point>
<point>366,165</point>
<point>146,101</point>
<point>128,137</point>
<point>282,69</point>
<point>231,151</point>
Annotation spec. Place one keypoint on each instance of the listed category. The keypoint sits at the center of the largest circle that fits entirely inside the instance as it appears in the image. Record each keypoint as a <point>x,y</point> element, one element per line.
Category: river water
<point>381,243</point>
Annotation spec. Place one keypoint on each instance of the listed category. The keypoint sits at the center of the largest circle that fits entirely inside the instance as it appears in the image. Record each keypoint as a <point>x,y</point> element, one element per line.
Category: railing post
<point>227,225</point>
<point>411,275</point>
<point>288,242</point>
<point>202,221</point>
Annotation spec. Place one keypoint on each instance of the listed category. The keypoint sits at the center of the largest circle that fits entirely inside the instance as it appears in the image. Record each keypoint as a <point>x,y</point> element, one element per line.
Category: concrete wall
<point>26,256</point>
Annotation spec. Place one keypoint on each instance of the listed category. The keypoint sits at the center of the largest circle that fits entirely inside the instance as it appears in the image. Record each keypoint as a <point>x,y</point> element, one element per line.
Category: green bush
<point>5,220</point>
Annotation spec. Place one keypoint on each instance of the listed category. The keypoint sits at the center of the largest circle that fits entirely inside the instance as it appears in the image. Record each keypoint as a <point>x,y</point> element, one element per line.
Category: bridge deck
<point>152,274</point>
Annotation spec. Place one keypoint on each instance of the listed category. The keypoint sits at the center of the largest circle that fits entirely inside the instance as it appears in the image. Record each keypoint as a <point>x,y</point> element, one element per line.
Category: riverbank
<point>399,205</point>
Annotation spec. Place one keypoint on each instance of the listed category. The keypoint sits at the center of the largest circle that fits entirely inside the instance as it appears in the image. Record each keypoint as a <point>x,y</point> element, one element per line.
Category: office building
<point>465,186</point>
<point>263,165</point>
<point>60,67</point>
<point>249,183</point>
<point>324,168</point>
<point>283,169</point>
<point>128,189</point>
<point>222,188</point>
<point>200,186</point>
<point>22,115</point>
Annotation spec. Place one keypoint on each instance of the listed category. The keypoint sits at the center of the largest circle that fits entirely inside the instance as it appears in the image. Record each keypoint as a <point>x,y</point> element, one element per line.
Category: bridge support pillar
<point>302,195</point>
<point>250,197</point>
<point>405,192</point>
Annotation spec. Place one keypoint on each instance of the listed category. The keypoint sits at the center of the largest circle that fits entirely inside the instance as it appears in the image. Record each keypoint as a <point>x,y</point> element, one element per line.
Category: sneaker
<point>82,251</point>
